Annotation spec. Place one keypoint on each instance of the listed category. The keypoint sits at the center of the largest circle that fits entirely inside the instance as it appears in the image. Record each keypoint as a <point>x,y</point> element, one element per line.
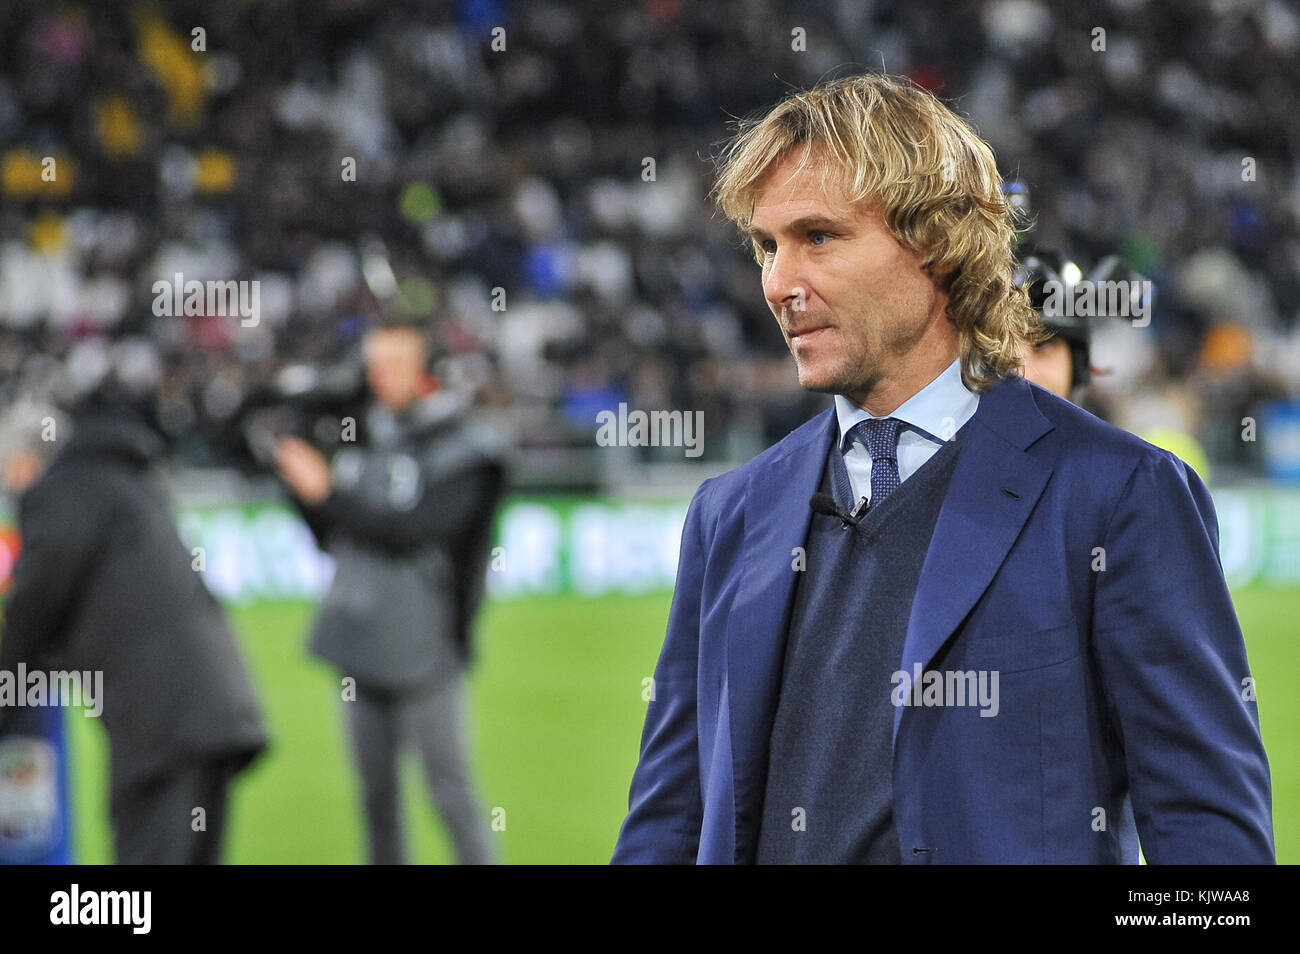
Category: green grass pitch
<point>556,713</point>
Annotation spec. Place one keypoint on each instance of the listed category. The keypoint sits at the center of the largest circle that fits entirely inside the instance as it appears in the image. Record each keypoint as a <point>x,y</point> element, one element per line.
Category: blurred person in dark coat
<point>406,514</point>
<point>104,583</point>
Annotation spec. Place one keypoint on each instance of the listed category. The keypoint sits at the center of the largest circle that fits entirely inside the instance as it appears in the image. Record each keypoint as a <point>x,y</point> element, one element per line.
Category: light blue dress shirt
<point>930,417</point>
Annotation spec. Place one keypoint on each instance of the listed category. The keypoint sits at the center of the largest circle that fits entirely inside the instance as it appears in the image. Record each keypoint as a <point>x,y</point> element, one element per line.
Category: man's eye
<point>814,236</point>
<point>767,246</point>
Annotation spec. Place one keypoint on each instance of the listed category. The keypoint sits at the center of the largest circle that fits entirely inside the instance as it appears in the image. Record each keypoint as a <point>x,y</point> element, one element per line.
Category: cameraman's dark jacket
<point>104,583</point>
<point>408,523</point>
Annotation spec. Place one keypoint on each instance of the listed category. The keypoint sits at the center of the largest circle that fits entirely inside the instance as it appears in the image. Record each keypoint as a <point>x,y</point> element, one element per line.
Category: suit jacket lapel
<point>777,517</point>
<point>994,489</point>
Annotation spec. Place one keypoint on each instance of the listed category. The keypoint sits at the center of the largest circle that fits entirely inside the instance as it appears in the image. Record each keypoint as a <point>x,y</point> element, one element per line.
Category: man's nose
<point>781,283</point>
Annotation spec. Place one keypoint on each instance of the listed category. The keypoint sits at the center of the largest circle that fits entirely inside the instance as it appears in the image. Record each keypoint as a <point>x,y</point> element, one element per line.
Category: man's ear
<point>944,280</point>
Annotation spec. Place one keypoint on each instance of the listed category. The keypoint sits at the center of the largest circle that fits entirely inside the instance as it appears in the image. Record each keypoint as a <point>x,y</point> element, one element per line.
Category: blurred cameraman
<point>407,514</point>
<point>1061,360</point>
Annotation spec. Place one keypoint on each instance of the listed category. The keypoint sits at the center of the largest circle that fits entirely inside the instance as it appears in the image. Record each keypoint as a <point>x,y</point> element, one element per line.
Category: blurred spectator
<point>104,584</point>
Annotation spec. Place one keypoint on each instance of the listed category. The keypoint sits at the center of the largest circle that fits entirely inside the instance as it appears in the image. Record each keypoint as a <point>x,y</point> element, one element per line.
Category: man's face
<point>1049,366</point>
<point>395,366</point>
<point>858,313</point>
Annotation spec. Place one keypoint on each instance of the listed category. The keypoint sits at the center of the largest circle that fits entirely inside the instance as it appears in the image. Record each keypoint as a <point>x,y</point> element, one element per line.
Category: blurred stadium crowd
<point>506,195</point>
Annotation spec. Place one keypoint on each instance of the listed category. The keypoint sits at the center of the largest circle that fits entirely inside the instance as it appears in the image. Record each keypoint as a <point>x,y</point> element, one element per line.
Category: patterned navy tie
<point>881,437</point>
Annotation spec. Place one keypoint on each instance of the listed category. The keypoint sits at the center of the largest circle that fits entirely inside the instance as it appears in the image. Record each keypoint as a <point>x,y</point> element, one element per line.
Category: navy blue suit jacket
<point>1076,560</point>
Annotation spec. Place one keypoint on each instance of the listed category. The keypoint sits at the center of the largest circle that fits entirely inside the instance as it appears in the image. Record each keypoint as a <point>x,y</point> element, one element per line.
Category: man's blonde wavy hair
<point>933,180</point>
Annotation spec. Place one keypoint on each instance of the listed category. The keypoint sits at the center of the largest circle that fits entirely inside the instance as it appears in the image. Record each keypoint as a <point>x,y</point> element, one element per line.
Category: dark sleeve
<point>665,803</point>
<point>315,519</point>
<point>1174,665</point>
<point>58,544</point>
<point>444,509</point>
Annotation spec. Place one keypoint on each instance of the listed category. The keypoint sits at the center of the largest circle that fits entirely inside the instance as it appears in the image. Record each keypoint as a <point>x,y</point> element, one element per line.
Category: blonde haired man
<point>953,618</point>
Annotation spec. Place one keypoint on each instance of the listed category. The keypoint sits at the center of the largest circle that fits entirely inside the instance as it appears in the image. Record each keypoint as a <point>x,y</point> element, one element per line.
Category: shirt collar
<point>939,408</point>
